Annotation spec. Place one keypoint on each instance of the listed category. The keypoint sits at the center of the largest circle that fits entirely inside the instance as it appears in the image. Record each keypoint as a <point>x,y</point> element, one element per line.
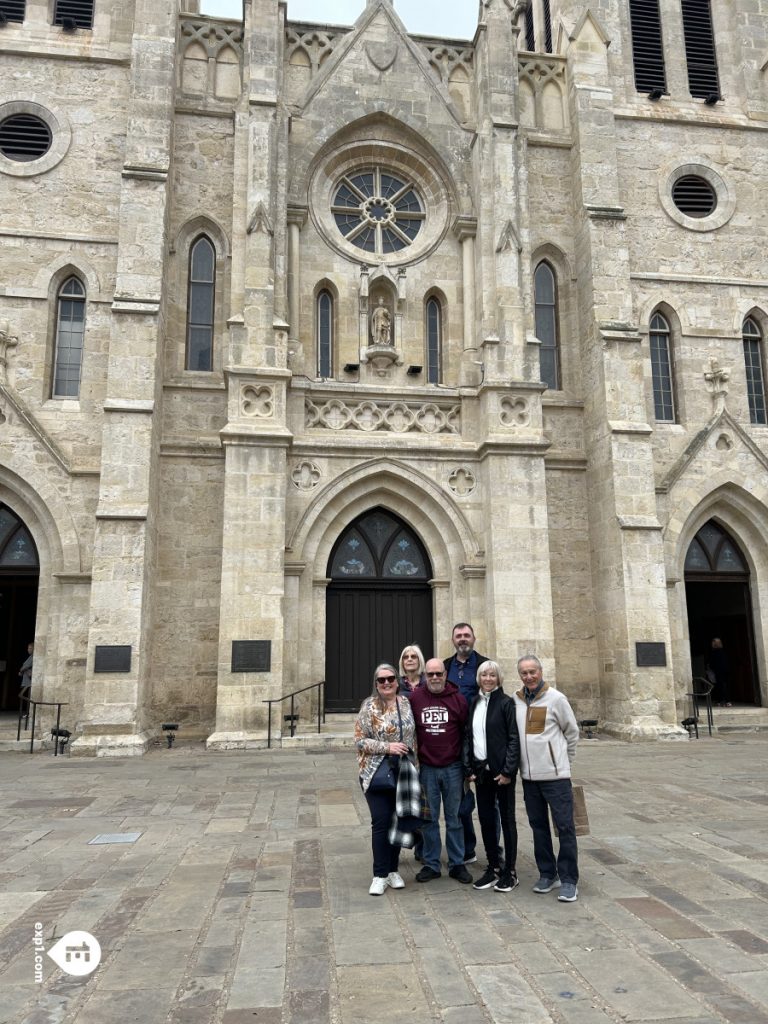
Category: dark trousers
<point>381,803</point>
<point>557,795</point>
<point>494,801</point>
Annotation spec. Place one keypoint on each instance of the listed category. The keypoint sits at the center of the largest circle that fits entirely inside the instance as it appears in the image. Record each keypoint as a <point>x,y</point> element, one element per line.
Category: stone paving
<point>245,899</point>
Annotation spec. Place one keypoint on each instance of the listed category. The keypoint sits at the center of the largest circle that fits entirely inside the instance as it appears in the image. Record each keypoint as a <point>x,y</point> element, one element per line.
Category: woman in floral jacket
<point>384,728</point>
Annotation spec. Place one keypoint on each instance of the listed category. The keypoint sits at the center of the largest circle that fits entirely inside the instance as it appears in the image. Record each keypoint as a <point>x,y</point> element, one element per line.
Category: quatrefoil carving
<point>257,401</point>
<point>514,412</point>
<point>306,475</point>
<point>462,481</point>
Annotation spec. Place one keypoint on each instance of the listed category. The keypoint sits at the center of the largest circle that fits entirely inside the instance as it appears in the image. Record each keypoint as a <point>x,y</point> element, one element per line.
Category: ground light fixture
<point>170,729</point>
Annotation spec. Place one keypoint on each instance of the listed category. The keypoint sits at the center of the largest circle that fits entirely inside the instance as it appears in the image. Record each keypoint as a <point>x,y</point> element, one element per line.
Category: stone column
<point>116,711</point>
<point>256,438</point>
<point>628,559</point>
<point>465,229</point>
<point>297,218</point>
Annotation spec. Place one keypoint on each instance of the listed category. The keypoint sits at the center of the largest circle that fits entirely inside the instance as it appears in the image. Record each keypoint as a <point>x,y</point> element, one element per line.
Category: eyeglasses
<point>435,675</point>
<point>387,679</point>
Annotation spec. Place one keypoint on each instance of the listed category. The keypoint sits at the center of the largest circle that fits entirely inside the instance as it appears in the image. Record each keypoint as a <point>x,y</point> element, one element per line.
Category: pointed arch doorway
<point>379,599</point>
<point>19,578</point>
<point>720,605</point>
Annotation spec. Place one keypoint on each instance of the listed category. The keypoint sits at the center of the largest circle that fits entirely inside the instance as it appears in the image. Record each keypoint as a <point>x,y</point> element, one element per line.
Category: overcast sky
<point>449,18</point>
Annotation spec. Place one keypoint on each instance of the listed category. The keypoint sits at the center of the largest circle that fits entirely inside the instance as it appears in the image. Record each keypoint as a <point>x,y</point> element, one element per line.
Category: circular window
<point>379,202</point>
<point>24,137</point>
<point>377,211</point>
<point>694,196</point>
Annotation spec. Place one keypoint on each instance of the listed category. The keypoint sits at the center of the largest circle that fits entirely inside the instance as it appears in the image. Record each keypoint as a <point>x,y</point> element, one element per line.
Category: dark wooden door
<point>719,605</point>
<point>379,600</point>
<point>19,573</point>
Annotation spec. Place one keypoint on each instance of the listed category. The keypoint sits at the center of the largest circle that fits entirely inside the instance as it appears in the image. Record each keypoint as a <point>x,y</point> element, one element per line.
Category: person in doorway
<point>548,737</point>
<point>25,672</point>
<point>491,760</point>
<point>440,713</point>
<point>461,669</point>
<point>717,669</point>
<point>384,729</point>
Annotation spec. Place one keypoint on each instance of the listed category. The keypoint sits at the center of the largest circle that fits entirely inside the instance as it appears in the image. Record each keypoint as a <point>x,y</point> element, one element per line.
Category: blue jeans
<point>444,785</point>
<point>557,795</point>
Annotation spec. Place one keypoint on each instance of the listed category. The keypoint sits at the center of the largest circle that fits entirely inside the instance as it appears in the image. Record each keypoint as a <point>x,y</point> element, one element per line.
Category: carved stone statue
<point>381,325</point>
<point>7,341</point>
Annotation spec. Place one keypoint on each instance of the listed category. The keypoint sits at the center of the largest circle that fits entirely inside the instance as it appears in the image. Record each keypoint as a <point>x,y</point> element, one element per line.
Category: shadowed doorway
<point>378,600</point>
<point>720,605</point>
<point>19,575</point>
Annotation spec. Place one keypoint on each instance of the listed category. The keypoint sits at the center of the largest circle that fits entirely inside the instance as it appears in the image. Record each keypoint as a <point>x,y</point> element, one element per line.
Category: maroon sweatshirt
<point>440,720</point>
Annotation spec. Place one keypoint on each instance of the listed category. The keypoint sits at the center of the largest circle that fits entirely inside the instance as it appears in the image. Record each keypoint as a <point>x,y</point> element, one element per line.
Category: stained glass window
<point>377,211</point>
<point>379,546</point>
<point>713,551</point>
<point>545,301</point>
<point>70,335</point>
<point>201,289</point>
<point>17,548</point>
<point>753,364</point>
<point>661,370</point>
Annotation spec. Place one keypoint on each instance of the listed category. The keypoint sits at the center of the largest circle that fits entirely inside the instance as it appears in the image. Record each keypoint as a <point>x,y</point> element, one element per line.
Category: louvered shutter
<point>647,48</point>
<point>79,11</point>
<point>700,49</point>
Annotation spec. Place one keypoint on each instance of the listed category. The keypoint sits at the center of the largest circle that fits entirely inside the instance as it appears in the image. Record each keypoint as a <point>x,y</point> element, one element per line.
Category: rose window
<point>377,211</point>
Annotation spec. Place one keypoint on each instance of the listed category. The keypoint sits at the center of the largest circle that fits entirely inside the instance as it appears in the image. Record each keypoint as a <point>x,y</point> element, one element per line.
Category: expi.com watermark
<point>77,953</point>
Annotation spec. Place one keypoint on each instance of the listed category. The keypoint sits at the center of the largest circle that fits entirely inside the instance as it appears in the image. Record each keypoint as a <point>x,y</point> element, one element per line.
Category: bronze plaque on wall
<point>112,658</point>
<point>251,655</point>
<point>651,655</point>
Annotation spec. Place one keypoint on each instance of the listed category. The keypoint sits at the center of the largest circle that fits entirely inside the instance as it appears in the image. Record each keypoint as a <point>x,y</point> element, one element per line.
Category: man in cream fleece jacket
<point>548,737</point>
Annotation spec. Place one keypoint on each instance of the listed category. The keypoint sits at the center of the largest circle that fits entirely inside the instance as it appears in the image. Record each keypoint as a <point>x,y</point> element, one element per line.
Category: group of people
<point>452,721</point>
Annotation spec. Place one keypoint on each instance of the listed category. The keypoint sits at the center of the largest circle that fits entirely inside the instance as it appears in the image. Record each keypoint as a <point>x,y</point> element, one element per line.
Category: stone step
<point>740,719</point>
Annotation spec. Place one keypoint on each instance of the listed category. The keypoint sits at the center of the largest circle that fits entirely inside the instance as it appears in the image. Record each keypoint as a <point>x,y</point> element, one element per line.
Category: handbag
<point>385,776</point>
<point>580,816</point>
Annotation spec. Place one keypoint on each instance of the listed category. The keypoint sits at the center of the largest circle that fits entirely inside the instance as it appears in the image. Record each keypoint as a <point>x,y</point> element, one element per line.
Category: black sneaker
<point>486,880</point>
<point>507,882</point>
<point>427,874</point>
<point>461,874</point>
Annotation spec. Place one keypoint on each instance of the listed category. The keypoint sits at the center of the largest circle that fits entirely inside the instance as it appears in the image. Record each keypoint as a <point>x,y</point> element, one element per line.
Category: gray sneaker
<point>569,892</point>
<point>545,884</point>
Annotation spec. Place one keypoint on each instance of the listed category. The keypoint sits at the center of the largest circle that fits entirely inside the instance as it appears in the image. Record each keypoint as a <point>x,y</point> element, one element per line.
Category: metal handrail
<point>320,687</point>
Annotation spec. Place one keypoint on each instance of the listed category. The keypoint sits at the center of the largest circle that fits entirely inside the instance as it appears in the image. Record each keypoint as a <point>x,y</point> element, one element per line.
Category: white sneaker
<point>395,881</point>
<point>378,886</point>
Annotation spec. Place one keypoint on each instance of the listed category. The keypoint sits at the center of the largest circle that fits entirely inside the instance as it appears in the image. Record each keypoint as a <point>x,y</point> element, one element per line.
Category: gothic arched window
<point>324,334</point>
<point>754,366</point>
<point>662,370</point>
<point>70,336</point>
<point>547,327</point>
<point>200,301</point>
<point>434,322</point>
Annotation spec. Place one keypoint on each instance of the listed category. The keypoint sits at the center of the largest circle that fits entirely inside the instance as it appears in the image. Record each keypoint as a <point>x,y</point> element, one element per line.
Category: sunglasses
<point>435,675</point>
<point>387,679</point>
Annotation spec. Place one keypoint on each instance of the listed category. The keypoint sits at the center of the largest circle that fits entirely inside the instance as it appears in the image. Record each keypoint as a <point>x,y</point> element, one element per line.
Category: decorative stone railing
<point>398,417</point>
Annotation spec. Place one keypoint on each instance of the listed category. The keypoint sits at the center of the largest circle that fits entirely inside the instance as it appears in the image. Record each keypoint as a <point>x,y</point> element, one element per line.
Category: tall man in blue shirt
<point>461,669</point>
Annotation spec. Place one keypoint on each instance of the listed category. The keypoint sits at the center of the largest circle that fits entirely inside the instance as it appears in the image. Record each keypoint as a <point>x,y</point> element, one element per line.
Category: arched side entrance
<point>719,605</point>
<point>378,600</point>
<point>19,577</point>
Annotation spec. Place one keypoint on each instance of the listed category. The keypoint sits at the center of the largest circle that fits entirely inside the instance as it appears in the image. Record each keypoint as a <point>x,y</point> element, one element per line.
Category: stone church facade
<point>315,340</point>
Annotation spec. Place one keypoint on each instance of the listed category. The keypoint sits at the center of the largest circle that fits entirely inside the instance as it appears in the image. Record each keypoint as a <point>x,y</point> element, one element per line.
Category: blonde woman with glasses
<point>384,731</point>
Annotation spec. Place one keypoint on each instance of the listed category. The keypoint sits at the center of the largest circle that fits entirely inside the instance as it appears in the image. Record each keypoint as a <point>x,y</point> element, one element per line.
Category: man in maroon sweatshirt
<point>440,712</point>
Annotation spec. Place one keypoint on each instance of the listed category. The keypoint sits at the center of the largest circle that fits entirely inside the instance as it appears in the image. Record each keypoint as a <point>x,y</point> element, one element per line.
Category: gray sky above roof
<point>449,18</point>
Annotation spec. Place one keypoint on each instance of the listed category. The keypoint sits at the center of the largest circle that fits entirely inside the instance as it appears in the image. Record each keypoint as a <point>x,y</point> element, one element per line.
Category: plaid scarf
<point>408,806</point>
